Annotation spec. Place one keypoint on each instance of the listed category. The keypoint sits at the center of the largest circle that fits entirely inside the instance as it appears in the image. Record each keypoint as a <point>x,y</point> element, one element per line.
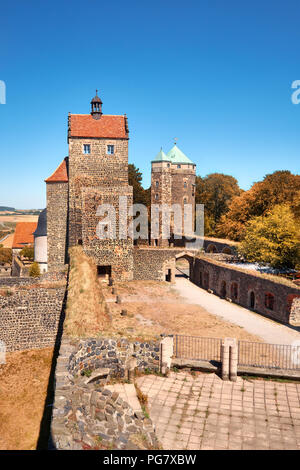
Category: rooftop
<point>24,234</point>
<point>60,175</point>
<point>175,156</point>
<point>108,126</point>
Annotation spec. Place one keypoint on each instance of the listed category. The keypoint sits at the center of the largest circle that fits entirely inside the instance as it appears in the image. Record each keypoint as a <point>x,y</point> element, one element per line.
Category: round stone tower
<point>40,242</point>
<point>172,182</point>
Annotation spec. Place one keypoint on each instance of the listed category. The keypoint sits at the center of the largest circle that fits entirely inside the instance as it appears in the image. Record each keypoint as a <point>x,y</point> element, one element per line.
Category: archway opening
<point>223,289</point>
<point>182,267</point>
<point>211,249</point>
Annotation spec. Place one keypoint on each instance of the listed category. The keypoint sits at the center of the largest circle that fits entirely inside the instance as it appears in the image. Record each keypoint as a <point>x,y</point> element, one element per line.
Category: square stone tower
<point>172,182</point>
<point>97,173</point>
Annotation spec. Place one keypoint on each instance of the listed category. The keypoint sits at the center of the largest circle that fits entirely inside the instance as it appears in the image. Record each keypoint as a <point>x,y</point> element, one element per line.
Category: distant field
<point>17,218</point>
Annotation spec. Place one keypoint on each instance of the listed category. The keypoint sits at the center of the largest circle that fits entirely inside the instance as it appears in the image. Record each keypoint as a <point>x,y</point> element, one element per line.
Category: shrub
<point>34,270</point>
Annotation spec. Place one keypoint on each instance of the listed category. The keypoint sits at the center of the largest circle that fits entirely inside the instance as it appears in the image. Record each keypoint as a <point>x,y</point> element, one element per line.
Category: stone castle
<point>96,172</point>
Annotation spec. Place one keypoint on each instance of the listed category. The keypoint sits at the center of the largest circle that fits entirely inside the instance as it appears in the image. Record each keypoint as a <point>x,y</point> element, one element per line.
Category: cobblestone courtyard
<point>204,412</point>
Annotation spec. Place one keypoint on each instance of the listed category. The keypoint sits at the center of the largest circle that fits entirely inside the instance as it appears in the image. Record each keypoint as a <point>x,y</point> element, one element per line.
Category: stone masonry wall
<point>153,263</point>
<point>113,354</point>
<point>30,317</point>
<point>91,170</point>
<point>113,251</point>
<point>86,415</point>
<point>245,288</point>
<point>57,217</point>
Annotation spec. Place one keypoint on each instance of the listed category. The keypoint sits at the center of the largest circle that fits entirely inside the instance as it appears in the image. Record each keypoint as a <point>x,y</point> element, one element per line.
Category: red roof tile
<point>24,234</point>
<point>60,175</point>
<point>84,125</point>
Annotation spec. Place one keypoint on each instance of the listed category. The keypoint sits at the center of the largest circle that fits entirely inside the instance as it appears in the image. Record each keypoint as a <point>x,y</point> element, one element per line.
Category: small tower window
<point>185,184</point>
<point>168,165</point>
<point>156,196</point>
<point>157,183</point>
<point>110,149</point>
<point>178,166</point>
<point>86,148</point>
<point>184,201</point>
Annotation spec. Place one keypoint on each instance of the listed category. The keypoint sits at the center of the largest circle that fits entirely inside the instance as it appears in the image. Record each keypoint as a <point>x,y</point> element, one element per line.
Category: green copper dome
<point>161,157</point>
<point>175,155</point>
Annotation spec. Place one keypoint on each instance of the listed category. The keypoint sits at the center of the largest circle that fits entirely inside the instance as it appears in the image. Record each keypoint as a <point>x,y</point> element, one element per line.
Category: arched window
<point>185,184</point>
<point>206,280</point>
<point>234,291</point>
<point>156,184</point>
<point>223,289</point>
<point>269,301</point>
<point>252,299</point>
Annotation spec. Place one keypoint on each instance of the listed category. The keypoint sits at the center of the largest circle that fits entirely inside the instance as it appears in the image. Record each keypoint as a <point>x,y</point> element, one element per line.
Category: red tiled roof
<point>84,125</point>
<point>24,234</point>
<point>60,175</point>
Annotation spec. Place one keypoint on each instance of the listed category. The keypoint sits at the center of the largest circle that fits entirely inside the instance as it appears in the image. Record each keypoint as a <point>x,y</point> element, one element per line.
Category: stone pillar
<point>229,358</point>
<point>233,360</point>
<point>166,354</point>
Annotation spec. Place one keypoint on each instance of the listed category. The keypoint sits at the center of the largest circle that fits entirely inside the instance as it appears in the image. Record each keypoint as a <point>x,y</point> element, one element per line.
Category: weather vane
<point>175,138</point>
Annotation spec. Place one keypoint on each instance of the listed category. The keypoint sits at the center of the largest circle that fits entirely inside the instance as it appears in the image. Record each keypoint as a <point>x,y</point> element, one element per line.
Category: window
<point>269,301</point>
<point>156,196</point>
<point>184,200</point>
<point>110,149</point>
<point>86,148</point>
<point>156,184</point>
<point>168,165</point>
<point>185,184</point>
<point>178,166</point>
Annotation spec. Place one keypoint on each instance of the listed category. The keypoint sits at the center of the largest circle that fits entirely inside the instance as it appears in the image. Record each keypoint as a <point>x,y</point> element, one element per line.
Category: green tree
<point>27,252</point>
<point>34,270</point>
<point>273,238</point>
<point>215,191</point>
<point>140,195</point>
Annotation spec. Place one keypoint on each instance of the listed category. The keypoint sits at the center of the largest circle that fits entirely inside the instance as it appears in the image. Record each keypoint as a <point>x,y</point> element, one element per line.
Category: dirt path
<point>268,330</point>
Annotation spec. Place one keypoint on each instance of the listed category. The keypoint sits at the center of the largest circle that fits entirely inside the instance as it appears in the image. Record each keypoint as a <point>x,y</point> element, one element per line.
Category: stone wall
<point>295,310</point>
<point>57,218</point>
<point>113,354</point>
<point>171,185</point>
<point>87,416</point>
<point>15,281</point>
<point>113,251</point>
<point>90,170</point>
<point>30,317</point>
<point>262,293</point>
<point>153,263</point>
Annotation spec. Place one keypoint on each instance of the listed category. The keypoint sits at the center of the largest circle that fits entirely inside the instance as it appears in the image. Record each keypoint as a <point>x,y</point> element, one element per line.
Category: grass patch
<point>86,314</point>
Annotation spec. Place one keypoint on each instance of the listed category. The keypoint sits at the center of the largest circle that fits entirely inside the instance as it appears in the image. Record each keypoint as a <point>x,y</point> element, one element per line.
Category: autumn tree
<point>5,255</point>
<point>273,238</point>
<point>280,187</point>
<point>215,191</point>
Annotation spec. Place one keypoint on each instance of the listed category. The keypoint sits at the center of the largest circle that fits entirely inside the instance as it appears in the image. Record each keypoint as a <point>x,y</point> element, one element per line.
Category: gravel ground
<point>269,330</point>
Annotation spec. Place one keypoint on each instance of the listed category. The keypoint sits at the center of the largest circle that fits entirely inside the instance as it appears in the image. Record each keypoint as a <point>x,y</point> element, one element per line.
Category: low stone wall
<point>262,293</point>
<point>113,354</point>
<point>87,416</point>
<point>15,281</point>
<point>30,317</point>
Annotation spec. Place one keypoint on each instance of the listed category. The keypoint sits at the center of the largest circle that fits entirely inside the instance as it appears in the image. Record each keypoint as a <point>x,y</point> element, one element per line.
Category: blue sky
<point>216,75</point>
